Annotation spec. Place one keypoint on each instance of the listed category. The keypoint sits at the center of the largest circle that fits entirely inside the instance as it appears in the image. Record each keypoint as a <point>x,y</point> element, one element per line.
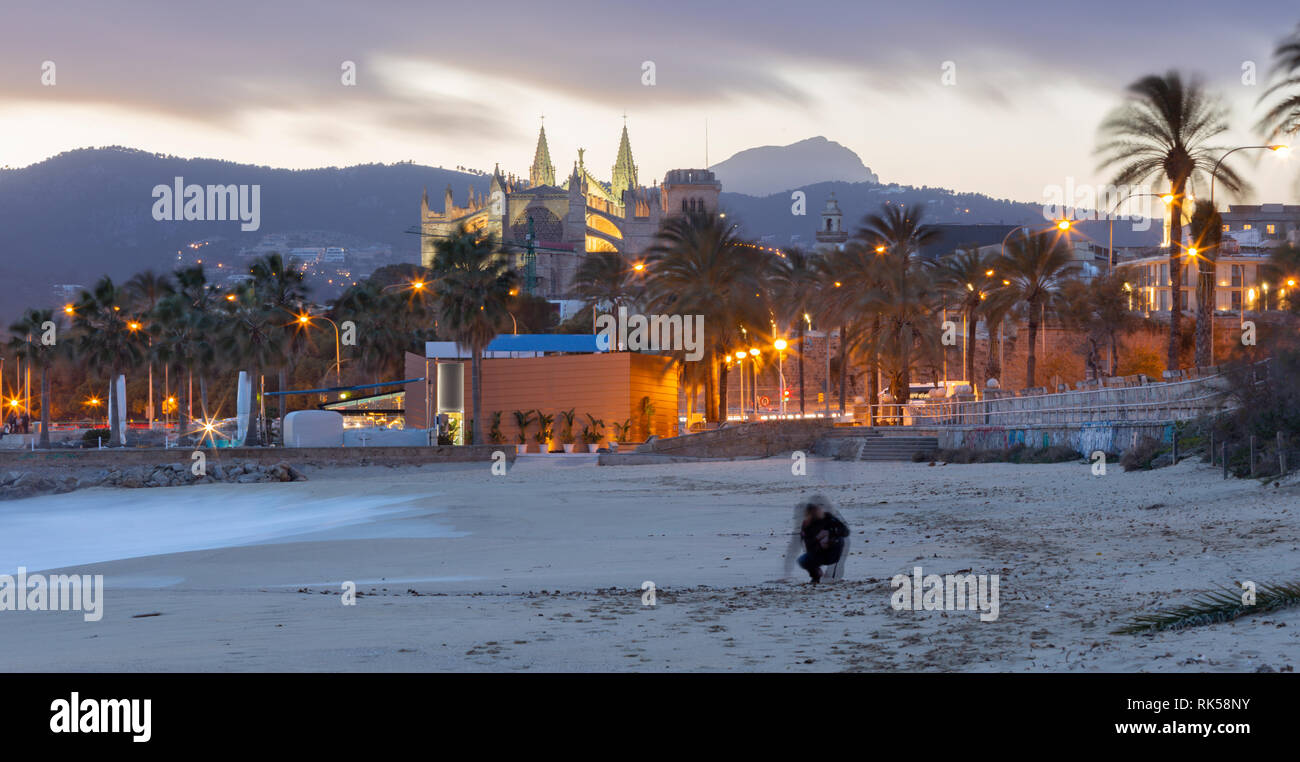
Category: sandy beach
<point>542,569</point>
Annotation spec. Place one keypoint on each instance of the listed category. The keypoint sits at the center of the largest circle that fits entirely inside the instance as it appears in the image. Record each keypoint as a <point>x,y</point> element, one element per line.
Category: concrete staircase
<point>878,444</point>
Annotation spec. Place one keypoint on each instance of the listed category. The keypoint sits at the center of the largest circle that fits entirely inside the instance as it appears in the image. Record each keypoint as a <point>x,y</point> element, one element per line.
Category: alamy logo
<point>638,333</point>
<point>60,592</point>
<point>210,203</point>
<point>78,715</point>
<point>950,592</point>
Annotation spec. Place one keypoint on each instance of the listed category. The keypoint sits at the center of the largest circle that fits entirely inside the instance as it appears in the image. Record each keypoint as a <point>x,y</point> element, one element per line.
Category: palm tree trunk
<point>905,368</point>
<point>1031,364</point>
<point>992,367</point>
<point>1175,276</point>
<point>844,344</point>
<point>803,409</point>
<point>722,391</point>
<point>114,430</point>
<point>45,407</point>
<point>183,422</point>
<point>710,384</point>
<point>972,321</point>
<point>253,439</point>
<point>1204,311</point>
<point>476,393</point>
<point>873,371</point>
<point>282,378</point>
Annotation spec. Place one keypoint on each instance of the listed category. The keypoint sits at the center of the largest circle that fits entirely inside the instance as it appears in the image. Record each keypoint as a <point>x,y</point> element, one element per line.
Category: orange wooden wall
<point>608,385</point>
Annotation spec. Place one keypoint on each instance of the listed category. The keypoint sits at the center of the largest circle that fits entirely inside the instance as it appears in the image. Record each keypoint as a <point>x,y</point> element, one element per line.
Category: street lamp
<point>780,345</point>
<point>1280,149</point>
<point>306,319</point>
<point>1110,244</point>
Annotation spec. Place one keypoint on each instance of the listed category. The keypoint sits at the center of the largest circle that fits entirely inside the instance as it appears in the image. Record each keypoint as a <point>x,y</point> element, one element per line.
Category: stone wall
<point>1083,438</point>
<point>740,440</point>
<point>339,456</point>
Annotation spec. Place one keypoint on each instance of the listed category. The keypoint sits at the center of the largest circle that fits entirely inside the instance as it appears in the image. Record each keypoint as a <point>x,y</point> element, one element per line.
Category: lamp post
<point>305,319</point>
<point>1281,149</point>
<point>740,366</point>
<point>780,345</point>
<point>1110,243</point>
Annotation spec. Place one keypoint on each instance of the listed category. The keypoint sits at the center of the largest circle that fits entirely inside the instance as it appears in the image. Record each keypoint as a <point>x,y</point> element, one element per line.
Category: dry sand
<point>541,570</point>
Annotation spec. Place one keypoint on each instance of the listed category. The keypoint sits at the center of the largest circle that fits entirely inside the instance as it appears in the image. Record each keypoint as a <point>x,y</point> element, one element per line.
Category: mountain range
<point>87,212</point>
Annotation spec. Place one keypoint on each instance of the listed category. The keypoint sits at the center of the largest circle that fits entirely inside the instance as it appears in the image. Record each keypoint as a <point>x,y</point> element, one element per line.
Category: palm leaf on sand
<point>1214,606</point>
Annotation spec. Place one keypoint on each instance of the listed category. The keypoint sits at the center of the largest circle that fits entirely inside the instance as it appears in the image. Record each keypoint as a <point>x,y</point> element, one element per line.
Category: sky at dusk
<point>464,83</point>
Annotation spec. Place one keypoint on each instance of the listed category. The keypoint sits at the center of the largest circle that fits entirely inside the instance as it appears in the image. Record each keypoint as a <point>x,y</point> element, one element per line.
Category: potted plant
<point>522,419</point>
<point>591,432</point>
<point>543,435</point>
<point>566,432</point>
<point>645,413</point>
<point>494,434</point>
<point>622,432</point>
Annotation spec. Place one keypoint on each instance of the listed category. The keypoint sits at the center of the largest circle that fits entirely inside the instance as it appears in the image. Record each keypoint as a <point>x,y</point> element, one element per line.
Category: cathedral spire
<point>624,172</point>
<point>542,172</point>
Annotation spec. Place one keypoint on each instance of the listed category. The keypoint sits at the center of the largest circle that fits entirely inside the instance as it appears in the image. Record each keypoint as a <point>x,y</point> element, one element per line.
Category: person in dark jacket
<point>822,535</point>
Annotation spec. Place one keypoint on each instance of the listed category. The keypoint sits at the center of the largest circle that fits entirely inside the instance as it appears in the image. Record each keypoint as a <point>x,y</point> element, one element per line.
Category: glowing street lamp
<point>1281,149</point>
<point>780,345</point>
<point>305,319</point>
<point>1168,198</point>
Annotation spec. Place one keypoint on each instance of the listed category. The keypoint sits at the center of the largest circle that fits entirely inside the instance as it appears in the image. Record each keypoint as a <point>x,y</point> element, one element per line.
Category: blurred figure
<point>823,536</point>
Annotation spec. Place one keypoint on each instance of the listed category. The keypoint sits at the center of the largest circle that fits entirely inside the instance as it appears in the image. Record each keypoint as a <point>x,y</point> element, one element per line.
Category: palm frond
<point>1213,606</point>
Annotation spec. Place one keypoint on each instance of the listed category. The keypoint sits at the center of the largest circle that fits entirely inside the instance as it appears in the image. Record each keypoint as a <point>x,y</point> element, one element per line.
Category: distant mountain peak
<point>765,170</point>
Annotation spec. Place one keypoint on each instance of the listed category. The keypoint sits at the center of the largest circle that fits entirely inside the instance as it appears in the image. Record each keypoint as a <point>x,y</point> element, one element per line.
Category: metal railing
<point>1147,403</point>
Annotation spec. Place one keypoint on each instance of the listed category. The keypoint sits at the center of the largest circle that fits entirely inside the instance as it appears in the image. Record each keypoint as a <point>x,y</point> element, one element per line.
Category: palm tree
<point>1036,266</point>
<point>794,284</point>
<point>200,304</point>
<point>965,279</point>
<point>905,287</point>
<point>251,335</point>
<point>1206,235</point>
<point>848,296</point>
<point>144,291</point>
<point>1283,117</point>
<point>698,266</point>
<point>474,290</point>
<point>105,339</point>
<point>604,277</point>
<point>1163,131</point>
<point>29,344</point>
<point>280,288</point>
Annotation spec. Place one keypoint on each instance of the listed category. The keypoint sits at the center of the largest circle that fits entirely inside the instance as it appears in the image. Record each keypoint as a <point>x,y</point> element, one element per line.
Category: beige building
<point>564,221</point>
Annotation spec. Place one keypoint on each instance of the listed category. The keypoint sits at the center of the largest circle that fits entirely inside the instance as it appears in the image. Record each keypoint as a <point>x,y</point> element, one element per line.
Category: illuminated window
<point>1247,226</point>
<point>1272,229</point>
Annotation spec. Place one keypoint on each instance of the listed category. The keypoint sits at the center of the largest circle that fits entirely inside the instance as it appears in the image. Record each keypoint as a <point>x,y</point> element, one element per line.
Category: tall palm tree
<point>794,284</point>
<point>252,335</point>
<point>905,286</point>
<point>106,340</point>
<point>698,266</point>
<point>1283,118</point>
<point>1036,265</point>
<point>144,291</point>
<point>1163,131</point>
<point>849,296</point>
<point>474,290</point>
<point>965,279</point>
<point>202,304</point>
<point>1206,235</point>
<point>28,344</point>
<point>605,277</point>
<point>279,286</point>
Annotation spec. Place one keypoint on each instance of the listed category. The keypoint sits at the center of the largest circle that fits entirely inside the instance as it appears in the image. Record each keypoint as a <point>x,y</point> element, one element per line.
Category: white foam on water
<point>92,526</point>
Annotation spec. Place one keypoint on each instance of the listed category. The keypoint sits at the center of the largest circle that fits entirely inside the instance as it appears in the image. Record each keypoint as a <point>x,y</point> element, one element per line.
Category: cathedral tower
<point>542,172</point>
<point>623,175</point>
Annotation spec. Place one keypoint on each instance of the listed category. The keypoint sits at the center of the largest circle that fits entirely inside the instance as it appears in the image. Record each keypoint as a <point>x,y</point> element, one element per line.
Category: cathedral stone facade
<point>568,220</point>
